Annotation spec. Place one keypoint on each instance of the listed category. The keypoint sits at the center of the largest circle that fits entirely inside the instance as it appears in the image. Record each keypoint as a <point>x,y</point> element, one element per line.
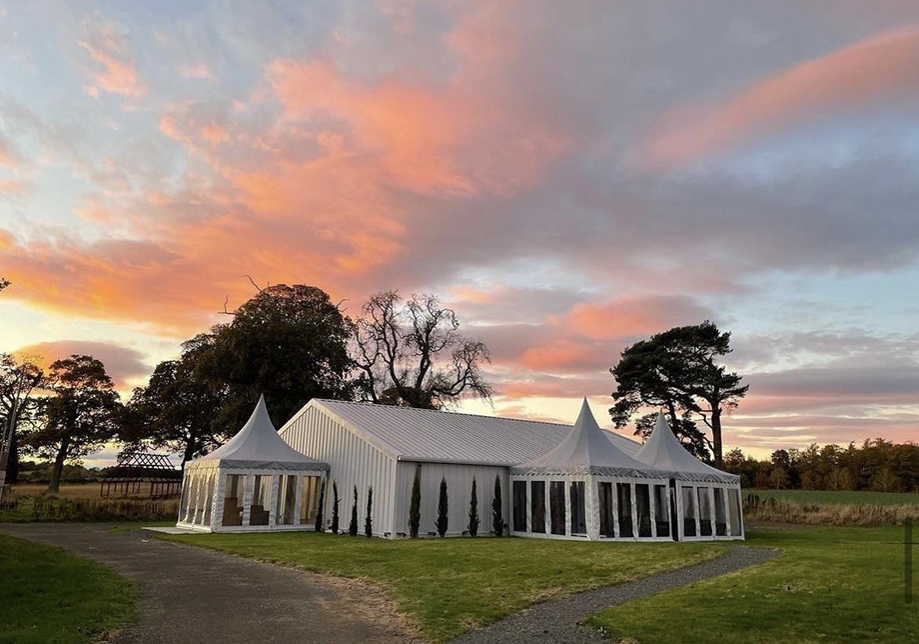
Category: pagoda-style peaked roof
<point>663,450</point>
<point>587,450</point>
<point>258,446</point>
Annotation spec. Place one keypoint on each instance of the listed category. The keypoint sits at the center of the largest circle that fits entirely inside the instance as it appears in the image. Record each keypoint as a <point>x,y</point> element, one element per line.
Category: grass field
<point>841,497</point>
<point>47,595</point>
<point>447,586</point>
<point>830,585</point>
<point>70,490</point>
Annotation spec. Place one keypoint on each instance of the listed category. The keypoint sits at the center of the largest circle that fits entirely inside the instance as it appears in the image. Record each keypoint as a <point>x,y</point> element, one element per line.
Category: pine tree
<point>335,501</point>
<point>319,526</point>
<point>368,520</point>
<point>442,508</point>
<point>352,527</point>
<point>497,509</point>
<point>473,511</point>
<point>414,512</point>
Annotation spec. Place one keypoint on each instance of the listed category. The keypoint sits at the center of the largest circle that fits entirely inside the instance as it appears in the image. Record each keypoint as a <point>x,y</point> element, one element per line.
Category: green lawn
<point>49,596</point>
<point>841,497</point>
<point>447,586</point>
<point>830,585</point>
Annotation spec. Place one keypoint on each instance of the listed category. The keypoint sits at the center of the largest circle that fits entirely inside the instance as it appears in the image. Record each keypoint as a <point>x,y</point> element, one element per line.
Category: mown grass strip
<point>830,585</point>
<point>48,595</point>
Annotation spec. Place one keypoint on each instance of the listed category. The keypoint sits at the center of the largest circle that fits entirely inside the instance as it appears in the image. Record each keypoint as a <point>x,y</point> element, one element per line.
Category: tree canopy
<point>18,406</point>
<point>289,343</point>
<point>411,353</point>
<point>176,410</point>
<point>78,416</point>
<point>677,370</point>
<point>4,283</point>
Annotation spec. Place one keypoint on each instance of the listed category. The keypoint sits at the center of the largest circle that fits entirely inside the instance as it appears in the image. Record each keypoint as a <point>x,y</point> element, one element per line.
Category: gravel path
<point>192,595</point>
<point>557,621</point>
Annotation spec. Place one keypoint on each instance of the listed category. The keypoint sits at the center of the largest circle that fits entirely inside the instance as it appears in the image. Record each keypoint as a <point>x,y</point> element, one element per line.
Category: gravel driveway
<point>191,595</point>
<point>557,621</point>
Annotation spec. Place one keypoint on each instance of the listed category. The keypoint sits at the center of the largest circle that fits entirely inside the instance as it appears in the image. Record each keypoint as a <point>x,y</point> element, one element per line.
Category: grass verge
<point>774,509</point>
<point>448,586</point>
<point>830,585</point>
<point>48,595</point>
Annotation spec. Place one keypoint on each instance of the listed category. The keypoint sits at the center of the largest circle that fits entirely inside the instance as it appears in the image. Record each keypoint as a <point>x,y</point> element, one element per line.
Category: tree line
<point>290,343</point>
<point>875,464</point>
<point>293,343</point>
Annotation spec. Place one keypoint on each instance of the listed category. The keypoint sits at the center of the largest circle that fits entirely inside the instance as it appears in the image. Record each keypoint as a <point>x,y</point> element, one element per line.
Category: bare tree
<point>18,379</point>
<point>410,353</point>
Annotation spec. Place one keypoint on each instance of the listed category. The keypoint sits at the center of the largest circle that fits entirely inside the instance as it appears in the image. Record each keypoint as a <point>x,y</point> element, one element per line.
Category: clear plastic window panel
<point>662,510</point>
<point>287,496</point>
<point>624,498</point>
<point>209,497</point>
<point>520,506</point>
<point>734,512</point>
<point>557,506</point>
<point>538,506</point>
<point>261,499</point>
<point>233,499</point>
<point>311,488</point>
<point>607,515</point>
<point>705,512</point>
<point>721,524</point>
<point>643,507</point>
<point>689,511</point>
<point>578,516</point>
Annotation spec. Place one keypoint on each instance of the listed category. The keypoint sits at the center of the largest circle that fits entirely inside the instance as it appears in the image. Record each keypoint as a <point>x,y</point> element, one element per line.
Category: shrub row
<point>47,508</point>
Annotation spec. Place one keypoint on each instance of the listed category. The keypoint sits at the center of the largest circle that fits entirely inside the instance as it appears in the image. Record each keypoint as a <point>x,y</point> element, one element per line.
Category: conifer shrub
<point>335,502</point>
<point>473,511</point>
<point>414,512</point>
<point>442,508</point>
<point>497,509</point>
<point>352,526</point>
<point>368,520</point>
<point>319,526</point>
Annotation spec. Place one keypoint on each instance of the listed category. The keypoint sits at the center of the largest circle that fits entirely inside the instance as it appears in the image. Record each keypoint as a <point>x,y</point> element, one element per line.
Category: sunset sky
<point>569,176</point>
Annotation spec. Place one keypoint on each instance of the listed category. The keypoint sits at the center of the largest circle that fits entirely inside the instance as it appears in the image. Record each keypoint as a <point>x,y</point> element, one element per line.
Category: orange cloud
<point>631,316</point>
<point>115,72</point>
<point>866,73</point>
<point>122,364</point>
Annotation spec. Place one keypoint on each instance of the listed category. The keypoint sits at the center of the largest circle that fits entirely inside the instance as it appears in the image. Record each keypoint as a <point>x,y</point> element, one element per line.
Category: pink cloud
<point>870,72</point>
<point>198,71</point>
<point>122,364</point>
<point>115,72</point>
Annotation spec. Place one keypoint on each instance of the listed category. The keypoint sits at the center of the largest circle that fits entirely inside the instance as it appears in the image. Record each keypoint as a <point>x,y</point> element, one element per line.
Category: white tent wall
<point>459,492</point>
<point>352,461</point>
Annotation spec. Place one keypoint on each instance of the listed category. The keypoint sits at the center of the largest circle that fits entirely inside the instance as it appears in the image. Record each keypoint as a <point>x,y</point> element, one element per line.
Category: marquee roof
<point>663,450</point>
<point>585,450</point>
<point>258,446</point>
<point>435,436</point>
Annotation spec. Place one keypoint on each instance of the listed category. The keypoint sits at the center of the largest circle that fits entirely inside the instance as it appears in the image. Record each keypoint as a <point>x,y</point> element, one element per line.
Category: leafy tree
<point>79,416</point>
<point>368,519</point>
<point>497,509</point>
<point>319,526</point>
<point>414,512</point>
<point>779,477</point>
<point>175,410</point>
<point>473,511</point>
<point>676,370</point>
<point>289,343</point>
<point>4,283</point>
<point>442,509</point>
<point>335,501</point>
<point>352,527</point>
<point>411,353</point>
<point>18,406</point>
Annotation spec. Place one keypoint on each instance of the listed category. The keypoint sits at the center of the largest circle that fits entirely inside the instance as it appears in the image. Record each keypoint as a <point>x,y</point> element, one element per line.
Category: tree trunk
<point>55,483</point>
<point>12,466</point>
<point>716,436</point>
